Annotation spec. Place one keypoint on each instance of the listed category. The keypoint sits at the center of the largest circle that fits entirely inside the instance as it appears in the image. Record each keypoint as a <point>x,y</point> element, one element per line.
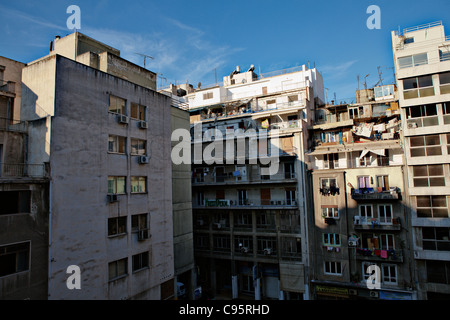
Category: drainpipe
<point>49,237</point>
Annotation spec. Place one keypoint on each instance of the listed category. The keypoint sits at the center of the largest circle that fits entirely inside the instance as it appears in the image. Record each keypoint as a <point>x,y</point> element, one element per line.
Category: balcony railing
<point>372,194</point>
<point>237,178</point>
<point>245,203</point>
<point>19,170</point>
<point>379,255</point>
<point>363,223</point>
<point>13,125</point>
<point>8,86</point>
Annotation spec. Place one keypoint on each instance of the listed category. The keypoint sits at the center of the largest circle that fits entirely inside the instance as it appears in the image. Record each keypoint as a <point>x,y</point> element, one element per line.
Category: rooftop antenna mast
<point>145,58</point>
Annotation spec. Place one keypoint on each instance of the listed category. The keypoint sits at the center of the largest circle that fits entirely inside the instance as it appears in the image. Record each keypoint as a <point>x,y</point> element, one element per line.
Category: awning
<point>380,152</point>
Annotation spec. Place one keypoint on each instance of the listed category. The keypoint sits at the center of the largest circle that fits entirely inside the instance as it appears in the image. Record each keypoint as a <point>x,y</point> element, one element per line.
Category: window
<point>365,160</point>
<point>431,207</point>
<point>387,241</point>
<point>413,61</point>
<point>384,91</point>
<point>291,247</point>
<point>383,160</point>
<point>330,212</point>
<point>332,268</point>
<point>446,112</point>
<point>116,185</point>
<point>266,245</point>
<point>117,225</point>
<point>243,244</point>
<point>13,202</point>
<point>364,182</point>
<point>208,95</point>
<point>138,111</point>
<point>408,40</point>
<point>117,105</point>
<point>138,147</point>
<point>436,238</point>
<point>383,183</point>
<point>331,239</point>
<point>221,243</point>
<point>14,258</point>
<point>117,144</point>
<point>438,271</point>
<point>139,222</point>
<point>138,184</point>
<point>365,211</point>
<point>422,116</point>
<point>355,113</point>
<point>242,197</point>
<point>429,176</point>
<point>444,81</point>
<point>385,213</point>
<point>140,261</point>
<point>389,273</point>
<point>290,197</point>
<point>444,54</point>
<point>418,87</point>
<point>421,146</point>
<point>118,269</point>
<point>331,161</point>
<point>243,220</point>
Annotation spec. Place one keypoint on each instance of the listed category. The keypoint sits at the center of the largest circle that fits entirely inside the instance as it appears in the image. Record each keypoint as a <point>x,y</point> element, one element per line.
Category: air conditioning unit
<point>143,159</point>
<point>356,220</point>
<point>373,294</point>
<point>267,251</point>
<point>143,234</point>
<point>123,119</point>
<point>352,243</point>
<point>112,198</point>
<point>244,249</point>
<point>412,125</point>
<point>143,124</point>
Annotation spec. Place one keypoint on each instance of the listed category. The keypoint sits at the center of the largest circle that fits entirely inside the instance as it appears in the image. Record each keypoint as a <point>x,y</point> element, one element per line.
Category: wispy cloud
<point>19,15</point>
<point>337,69</point>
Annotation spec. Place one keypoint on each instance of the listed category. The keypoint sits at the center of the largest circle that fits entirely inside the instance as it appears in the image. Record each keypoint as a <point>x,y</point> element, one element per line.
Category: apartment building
<point>24,188</point>
<point>104,130</point>
<point>359,218</point>
<point>422,64</point>
<point>249,209</point>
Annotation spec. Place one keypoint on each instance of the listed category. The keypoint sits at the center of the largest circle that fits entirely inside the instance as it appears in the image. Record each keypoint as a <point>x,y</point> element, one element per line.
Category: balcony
<point>246,204</point>
<point>13,125</point>
<point>372,194</point>
<point>363,223</point>
<point>235,177</point>
<point>22,170</point>
<point>8,88</point>
<point>379,255</point>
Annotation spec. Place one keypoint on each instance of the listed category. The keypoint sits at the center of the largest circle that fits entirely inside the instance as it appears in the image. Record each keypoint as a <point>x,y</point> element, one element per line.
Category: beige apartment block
<point>422,64</point>
<point>357,172</point>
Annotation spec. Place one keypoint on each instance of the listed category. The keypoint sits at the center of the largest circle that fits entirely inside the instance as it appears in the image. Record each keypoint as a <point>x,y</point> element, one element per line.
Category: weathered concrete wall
<point>27,227</point>
<point>80,166</point>
<point>13,72</point>
<point>182,205</point>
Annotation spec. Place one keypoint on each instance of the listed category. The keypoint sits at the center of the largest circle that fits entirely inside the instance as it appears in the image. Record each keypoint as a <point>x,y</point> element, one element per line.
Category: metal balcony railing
<point>19,170</point>
<point>245,203</point>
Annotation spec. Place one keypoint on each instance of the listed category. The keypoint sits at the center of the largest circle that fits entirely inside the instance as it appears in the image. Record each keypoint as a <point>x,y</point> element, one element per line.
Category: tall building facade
<point>24,188</point>
<point>104,130</point>
<point>359,223</point>
<point>422,64</point>
<point>250,210</point>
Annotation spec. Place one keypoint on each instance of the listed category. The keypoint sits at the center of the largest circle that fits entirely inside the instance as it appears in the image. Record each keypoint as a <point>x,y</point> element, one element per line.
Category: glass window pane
<point>120,185</point>
<point>427,92</point>
<point>432,140</point>
<point>417,152</point>
<point>434,151</point>
<point>420,59</point>
<point>428,233</point>
<point>112,104</point>
<point>430,110</point>
<point>410,83</point>
<point>437,182</point>
<point>444,78</point>
<point>422,182</point>
<point>436,170</point>
<point>416,141</point>
<point>405,62</point>
<point>423,201</point>
<point>420,171</point>
<point>412,94</point>
<point>425,81</point>
<point>439,201</point>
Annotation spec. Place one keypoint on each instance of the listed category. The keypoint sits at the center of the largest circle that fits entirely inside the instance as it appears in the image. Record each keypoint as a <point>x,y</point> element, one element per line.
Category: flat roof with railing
<point>419,27</point>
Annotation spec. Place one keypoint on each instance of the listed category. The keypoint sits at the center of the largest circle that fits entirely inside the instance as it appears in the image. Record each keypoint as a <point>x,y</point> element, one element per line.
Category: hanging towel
<point>383,254</point>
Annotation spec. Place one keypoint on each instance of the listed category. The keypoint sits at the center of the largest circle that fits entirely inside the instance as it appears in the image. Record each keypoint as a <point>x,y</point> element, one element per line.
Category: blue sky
<point>199,40</point>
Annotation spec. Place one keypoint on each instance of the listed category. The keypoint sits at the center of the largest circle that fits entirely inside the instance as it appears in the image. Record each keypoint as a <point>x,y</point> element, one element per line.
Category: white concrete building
<point>422,64</point>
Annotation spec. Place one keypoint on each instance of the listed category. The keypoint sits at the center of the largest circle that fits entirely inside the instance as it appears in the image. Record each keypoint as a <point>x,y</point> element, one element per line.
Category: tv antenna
<point>145,58</point>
